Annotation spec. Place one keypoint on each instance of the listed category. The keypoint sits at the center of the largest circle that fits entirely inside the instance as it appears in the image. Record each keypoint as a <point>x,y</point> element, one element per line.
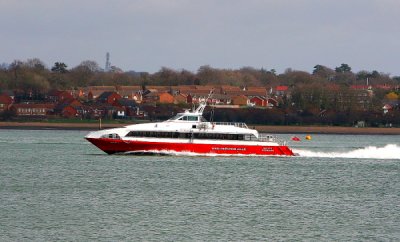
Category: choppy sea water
<point>55,186</point>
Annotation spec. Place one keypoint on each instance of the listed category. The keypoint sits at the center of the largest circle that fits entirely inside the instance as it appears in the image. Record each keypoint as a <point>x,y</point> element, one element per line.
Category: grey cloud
<point>146,34</point>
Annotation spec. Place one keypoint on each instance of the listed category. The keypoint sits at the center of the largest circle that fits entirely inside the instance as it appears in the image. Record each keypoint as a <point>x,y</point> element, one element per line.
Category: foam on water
<point>175,153</point>
<point>390,151</point>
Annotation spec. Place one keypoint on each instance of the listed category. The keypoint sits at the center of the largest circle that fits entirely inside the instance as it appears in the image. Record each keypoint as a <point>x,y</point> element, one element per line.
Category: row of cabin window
<point>189,135</point>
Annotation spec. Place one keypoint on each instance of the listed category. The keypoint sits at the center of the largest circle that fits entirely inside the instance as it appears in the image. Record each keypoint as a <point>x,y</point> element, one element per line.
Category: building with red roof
<point>33,109</point>
<point>5,102</point>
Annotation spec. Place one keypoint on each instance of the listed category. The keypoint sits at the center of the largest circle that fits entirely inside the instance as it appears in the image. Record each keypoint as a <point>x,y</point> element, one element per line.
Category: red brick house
<point>152,96</point>
<point>56,96</point>
<point>258,101</point>
<point>69,111</point>
<point>263,102</point>
<point>281,90</point>
<point>272,102</point>
<point>221,99</point>
<point>126,107</point>
<point>108,97</point>
<point>33,109</point>
<point>241,100</point>
<point>68,108</point>
<point>165,97</point>
<point>5,102</point>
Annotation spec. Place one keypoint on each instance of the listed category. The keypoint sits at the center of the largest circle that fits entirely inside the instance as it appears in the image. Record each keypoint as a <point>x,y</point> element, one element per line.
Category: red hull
<point>112,146</point>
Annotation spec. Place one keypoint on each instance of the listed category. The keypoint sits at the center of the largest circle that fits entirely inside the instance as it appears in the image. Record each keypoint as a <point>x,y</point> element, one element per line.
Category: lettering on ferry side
<point>228,148</point>
<point>267,149</point>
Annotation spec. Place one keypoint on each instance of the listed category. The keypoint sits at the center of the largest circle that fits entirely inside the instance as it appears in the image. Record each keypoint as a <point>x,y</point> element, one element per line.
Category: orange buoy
<point>308,137</point>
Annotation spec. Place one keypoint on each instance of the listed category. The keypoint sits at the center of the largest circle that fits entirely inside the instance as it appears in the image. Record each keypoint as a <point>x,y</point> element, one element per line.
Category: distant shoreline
<point>261,128</point>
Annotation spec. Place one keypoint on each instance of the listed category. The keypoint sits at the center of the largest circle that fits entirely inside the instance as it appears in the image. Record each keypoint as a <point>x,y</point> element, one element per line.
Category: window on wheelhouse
<point>188,118</point>
<point>111,136</point>
<point>192,118</point>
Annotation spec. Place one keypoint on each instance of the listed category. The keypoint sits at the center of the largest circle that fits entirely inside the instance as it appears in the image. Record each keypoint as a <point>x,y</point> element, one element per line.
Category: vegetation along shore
<point>328,97</point>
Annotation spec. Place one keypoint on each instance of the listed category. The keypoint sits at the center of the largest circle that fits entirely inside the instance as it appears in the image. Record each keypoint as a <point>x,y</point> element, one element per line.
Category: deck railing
<point>260,138</point>
<point>240,125</point>
<point>266,138</point>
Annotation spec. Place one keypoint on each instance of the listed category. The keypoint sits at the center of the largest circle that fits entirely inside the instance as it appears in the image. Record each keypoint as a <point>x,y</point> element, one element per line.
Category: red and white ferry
<point>188,133</point>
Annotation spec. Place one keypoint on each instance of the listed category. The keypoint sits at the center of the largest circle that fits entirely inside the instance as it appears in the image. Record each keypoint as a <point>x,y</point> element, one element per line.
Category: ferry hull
<point>111,146</point>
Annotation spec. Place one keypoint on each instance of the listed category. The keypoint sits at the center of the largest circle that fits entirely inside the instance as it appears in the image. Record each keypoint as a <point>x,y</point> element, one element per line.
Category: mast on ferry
<point>203,104</point>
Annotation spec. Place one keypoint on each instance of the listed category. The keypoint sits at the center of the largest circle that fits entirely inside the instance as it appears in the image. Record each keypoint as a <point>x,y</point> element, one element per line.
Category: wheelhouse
<point>188,117</point>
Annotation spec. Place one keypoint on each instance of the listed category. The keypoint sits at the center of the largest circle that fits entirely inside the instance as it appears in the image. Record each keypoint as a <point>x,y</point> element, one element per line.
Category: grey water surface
<point>55,186</point>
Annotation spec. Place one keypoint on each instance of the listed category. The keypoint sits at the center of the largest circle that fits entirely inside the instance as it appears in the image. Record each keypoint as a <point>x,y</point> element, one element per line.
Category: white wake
<point>186,153</point>
<point>390,151</point>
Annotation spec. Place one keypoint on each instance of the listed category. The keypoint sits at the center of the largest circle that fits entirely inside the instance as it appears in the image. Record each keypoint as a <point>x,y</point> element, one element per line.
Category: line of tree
<point>33,74</point>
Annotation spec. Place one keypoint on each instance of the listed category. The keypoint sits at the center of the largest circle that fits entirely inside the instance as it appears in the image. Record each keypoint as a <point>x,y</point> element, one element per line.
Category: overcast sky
<point>145,35</point>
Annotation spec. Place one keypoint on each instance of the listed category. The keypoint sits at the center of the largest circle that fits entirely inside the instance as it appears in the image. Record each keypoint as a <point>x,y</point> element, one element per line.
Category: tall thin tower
<point>108,64</point>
